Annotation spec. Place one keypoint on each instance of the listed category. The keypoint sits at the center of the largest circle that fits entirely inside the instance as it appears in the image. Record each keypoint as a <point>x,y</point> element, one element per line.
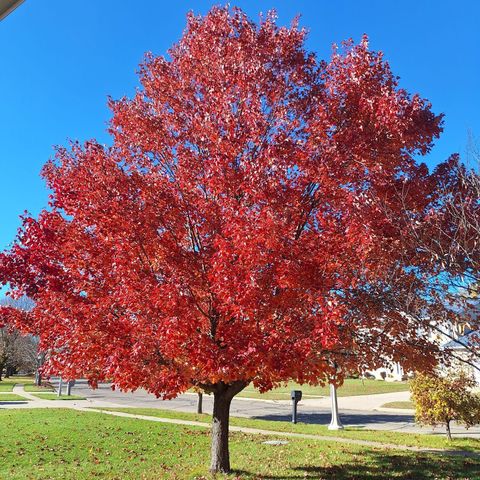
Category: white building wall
<point>394,373</point>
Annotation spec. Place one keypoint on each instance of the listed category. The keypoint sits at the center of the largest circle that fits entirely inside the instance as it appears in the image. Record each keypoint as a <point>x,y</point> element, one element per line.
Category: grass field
<point>59,444</point>
<point>409,405</point>
<point>11,397</point>
<point>35,388</point>
<point>54,396</point>
<point>409,439</point>
<point>350,387</point>
<point>6,385</point>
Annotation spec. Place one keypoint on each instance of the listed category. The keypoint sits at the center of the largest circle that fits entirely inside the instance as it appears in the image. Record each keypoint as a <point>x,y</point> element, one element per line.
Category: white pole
<point>60,385</point>
<point>335,423</point>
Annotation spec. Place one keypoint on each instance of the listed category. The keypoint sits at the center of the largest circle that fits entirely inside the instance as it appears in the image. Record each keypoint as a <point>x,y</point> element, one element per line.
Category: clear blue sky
<point>60,59</point>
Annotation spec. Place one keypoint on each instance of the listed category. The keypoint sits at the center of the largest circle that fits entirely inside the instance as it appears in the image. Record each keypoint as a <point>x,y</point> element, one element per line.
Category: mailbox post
<point>70,384</point>
<point>335,423</point>
<point>296,396</point>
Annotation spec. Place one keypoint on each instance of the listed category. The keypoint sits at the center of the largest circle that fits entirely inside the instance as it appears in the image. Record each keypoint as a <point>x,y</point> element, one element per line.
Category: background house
<point>462,348</point>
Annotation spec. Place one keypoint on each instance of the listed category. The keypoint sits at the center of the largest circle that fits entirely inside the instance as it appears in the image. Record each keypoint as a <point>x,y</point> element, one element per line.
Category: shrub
<point>441,399</point>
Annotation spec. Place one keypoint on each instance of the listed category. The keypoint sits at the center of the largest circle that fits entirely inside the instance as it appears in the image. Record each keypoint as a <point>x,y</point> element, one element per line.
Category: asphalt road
<point>265,410</point>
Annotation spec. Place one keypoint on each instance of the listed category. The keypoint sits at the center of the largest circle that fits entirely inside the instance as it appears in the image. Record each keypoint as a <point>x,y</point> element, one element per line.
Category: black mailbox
<point>296,395</point>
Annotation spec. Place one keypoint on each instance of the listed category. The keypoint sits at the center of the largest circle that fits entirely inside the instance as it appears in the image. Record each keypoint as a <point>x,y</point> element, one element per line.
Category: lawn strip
<point>351,387</point>
<point>12,397</point>
<point>38,388</point>
<point>54,396</point>
<point>400,405</point>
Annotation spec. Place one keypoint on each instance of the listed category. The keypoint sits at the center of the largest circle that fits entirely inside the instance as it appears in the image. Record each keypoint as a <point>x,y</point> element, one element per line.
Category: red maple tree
<point>239,229</point>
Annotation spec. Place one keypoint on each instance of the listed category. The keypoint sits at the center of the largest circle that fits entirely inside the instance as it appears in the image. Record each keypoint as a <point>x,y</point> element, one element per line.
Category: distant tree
<point>17,351</point>
<point>8,344</point>
<point>238,229</point>
<point>39,362</point>
<point>441,400</point>
<point>26,354</point>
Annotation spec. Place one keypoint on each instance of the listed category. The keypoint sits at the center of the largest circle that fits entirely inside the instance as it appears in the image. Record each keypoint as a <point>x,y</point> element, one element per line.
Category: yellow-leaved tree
<point>443,399</point>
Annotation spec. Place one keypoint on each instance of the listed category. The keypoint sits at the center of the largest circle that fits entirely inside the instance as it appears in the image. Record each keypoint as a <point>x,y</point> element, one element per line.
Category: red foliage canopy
<point>240,227</point>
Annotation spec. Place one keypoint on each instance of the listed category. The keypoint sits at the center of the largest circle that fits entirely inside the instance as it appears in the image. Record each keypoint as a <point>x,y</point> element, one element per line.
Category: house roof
<point>470,339</point>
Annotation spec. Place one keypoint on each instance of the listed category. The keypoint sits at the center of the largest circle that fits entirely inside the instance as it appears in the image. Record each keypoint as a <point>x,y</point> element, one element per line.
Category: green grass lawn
<point>43,388</point>
<point>6,385</point>
<point>54,396</point>
<point>11,397</point>
<point>59,444</point>
<point>409,439</point>
<point>352,386</point>
<point>399,405</point>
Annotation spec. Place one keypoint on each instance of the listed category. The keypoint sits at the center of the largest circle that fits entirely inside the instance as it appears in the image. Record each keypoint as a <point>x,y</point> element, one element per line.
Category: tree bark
<point>38,372</point>
<point>220,461</point>
<point>38,379</point>
<point>200,403</point>
<point>222,398</point>
<point>449,433</point>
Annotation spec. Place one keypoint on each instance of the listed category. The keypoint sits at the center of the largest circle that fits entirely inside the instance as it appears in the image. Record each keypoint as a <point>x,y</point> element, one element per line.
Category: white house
<point>462,348</point>
<point>392,373</point>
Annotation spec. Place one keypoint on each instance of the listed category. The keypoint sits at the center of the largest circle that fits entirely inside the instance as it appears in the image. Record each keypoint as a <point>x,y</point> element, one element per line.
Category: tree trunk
<point>38,372</point>
<point>38,379</point>
<point>221,414</point>
<point>200,403</point>
<point>449,433</point>
<point>222,398</point>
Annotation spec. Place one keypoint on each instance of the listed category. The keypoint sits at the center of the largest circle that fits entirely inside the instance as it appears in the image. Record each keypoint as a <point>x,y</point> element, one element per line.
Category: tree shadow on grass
<point>238,473</point>
<point>375,465</point>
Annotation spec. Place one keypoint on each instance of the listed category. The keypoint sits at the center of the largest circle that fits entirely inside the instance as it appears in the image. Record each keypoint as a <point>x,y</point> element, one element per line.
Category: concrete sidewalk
<point>31,401</point>
<point>19,389</point>
<point>324,438</point>
<point>367,413</point>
